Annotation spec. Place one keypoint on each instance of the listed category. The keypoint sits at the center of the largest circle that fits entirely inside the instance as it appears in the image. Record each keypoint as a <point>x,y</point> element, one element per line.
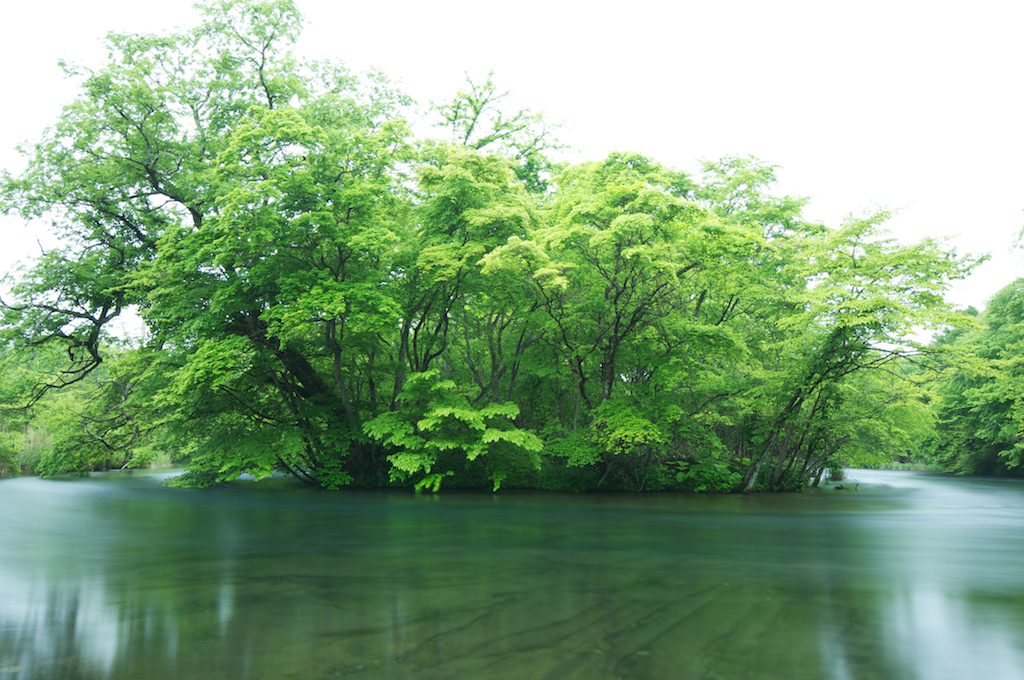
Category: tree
<point>980,401</point>
<point>477,120</point>
<point>827,318</point>
<point>324,294</point>
<point>241,202</point>
<point>133,157</point>
<point>293,255</point>
<point>866,298</point>
<point>622,283</point>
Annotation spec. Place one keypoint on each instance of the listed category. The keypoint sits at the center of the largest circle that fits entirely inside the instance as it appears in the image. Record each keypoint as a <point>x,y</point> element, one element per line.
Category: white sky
<point>903,104</point>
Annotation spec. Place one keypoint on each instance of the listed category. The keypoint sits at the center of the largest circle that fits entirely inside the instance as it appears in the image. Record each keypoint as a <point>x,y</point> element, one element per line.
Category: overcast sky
<point>907,105</point>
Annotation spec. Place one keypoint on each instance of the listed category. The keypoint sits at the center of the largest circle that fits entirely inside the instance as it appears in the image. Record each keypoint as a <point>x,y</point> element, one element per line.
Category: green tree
<point>866,298</point>
<point>132,157</point>
<point>292,253</point>
<point>324,294</point>
<point>477,119</point>
<point>827,317</point>
<point>980,400</point>
<point>624,279</point>
<point>243,202</point>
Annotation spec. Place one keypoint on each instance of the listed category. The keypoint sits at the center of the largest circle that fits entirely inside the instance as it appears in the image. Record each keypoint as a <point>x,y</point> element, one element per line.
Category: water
<point>911,576</point>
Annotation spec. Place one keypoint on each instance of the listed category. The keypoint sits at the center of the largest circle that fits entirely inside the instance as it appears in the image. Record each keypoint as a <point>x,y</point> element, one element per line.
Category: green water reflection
<point>912,576</point>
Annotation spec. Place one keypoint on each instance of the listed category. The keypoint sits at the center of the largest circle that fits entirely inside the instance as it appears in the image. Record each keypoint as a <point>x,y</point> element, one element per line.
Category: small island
<point>321,292</point>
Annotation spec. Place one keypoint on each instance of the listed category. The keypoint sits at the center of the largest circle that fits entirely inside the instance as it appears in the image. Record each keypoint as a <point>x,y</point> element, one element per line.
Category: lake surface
<point>911,576</point>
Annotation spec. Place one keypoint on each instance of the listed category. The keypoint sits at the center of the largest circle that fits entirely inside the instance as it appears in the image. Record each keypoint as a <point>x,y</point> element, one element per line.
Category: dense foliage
<point>325,294</point>
<point>979,402</point>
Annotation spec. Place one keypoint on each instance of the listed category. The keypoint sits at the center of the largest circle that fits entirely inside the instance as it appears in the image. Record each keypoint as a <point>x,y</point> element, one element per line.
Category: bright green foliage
<point>477,121</point>
<point>980,405</point>
<point>828,314</point>
<point>708,475</point>
<point>246,203</point>
<point>85,426</point>
<point>622,248</point>
<point>887,415</point>
<point>8,459</point>
<point>435,418</point>
<point>326,296</point>
<point>737,190</point>
<point>470,205</point>
<point>619,430</point>
<point>626,290</point>
<point>866,295</point>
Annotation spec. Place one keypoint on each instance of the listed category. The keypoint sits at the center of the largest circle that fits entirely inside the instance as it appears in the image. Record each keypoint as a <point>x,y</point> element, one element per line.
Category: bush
<point>9,465</point>
<point>710,475</point>
<point>836,473</point>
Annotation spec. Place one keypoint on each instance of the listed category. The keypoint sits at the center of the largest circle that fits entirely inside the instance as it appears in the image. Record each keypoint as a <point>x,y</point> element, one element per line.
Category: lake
<point>912,575</point>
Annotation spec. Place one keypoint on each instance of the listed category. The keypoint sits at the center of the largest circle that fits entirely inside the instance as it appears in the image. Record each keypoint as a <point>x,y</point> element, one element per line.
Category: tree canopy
<point>326,294</point>
<point>979,398</point>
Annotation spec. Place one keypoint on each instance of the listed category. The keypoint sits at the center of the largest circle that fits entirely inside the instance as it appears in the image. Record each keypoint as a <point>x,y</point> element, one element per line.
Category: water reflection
<point>912,576</point>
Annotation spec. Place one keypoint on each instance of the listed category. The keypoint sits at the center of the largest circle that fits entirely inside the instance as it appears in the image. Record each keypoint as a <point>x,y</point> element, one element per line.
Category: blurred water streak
<point>912,576</point>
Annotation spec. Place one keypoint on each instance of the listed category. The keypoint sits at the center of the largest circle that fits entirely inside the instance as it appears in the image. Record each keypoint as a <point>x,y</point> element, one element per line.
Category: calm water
<point>912,576</point>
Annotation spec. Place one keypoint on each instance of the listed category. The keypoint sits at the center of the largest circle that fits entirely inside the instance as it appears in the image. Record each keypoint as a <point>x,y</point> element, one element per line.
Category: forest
<point>326,291</point>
